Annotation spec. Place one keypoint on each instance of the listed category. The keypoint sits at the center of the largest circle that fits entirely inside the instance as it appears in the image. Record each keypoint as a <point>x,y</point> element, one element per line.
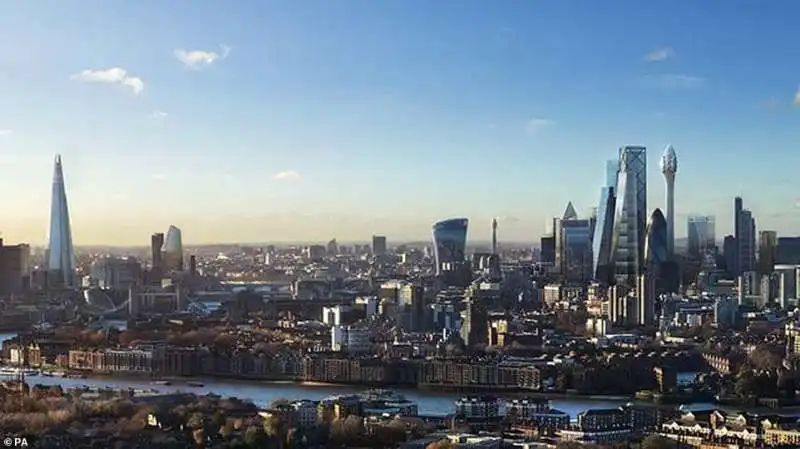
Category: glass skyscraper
<point>612,170</point>
<point>701,233</point>
<point>449,241</point>
<point>60,252</point>
<point>656,245</point>
<point>603,232</point>
<point>657,258</point>
<point>744,230</point>
<point>173,249</point>
<point>630,215</point>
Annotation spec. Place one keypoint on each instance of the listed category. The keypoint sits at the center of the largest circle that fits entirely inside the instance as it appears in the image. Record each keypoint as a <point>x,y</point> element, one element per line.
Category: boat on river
<point>195,384</point>
<point>11,371</point>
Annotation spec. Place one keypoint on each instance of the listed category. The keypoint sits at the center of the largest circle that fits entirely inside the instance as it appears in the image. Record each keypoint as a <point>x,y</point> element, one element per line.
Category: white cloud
<point>537,125</point>
<point>158,114</point>
<point>197,59</point>
<point>659,55</point>
<point>797,97</point>
<point>159,177</point>
<point>286,175</point>
<point>5,132</point>
<point>675,81</point>
<point>114,75</point>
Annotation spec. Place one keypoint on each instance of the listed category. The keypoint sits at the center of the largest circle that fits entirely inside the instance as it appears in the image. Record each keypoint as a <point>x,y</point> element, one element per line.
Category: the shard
<point>61,254</point>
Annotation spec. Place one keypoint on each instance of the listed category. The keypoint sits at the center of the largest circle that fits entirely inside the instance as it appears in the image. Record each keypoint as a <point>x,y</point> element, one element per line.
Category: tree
<point>278,402</point>
<point>440,444</point>
<point>199,437</point>
<point>253,436</point>
<point>658,442</point>
<point>219,419</point>
<point>575,445</point>
<point>512,415</point>
<point>273,426</point>
<point>226,430</point>
<point>745,383</point>
<point>196,421</point>
<point>345,431</point>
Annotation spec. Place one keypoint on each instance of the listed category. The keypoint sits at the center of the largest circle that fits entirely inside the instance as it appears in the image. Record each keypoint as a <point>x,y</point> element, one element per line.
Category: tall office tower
<point>602,269</point>
<point>474,329</point>
<point>156,244</point>
<point>173,250</point>
<point>729,254</point>
<point>656,257</point>
<point>612,171</point>
<point>494,236</point>
<point>745,234</point>
<point>767,251</point>
<point>573,245</point>
<point>701,233</point>
<point>737,222</point>
<point>193,265</point>
<point>548,244</point>
<point>449,243</point>
<point>61,253</point>
<point>630,215</point>
<point>669,166</point>
<point>379,245</point>
<point>15,269</point>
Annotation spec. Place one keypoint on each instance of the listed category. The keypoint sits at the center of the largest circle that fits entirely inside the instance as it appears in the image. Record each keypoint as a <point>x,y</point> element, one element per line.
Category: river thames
<point>262,393</point>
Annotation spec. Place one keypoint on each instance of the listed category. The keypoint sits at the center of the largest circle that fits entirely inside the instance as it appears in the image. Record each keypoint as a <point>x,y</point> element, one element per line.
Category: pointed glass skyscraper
<point>61,254</point>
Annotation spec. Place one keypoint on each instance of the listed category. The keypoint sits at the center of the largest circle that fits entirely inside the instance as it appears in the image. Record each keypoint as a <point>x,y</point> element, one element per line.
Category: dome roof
<point>656,238</point>
<point>669,161</point>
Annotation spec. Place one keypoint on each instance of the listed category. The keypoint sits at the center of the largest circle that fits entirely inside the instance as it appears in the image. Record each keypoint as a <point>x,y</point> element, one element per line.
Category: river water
<point>262,393</point>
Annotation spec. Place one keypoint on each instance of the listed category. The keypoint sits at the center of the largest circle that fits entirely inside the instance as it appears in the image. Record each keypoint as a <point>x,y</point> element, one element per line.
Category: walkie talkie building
<point>449,241</point>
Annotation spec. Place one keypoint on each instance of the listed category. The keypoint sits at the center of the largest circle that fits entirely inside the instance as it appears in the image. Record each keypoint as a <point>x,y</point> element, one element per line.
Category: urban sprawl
<point>609,333</point>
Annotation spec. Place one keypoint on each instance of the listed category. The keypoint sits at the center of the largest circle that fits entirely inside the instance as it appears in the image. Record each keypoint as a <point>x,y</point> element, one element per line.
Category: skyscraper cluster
<point>630,251</point>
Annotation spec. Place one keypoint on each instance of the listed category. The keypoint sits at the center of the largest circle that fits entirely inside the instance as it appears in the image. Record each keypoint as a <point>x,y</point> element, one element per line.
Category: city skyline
<point>293,122</point>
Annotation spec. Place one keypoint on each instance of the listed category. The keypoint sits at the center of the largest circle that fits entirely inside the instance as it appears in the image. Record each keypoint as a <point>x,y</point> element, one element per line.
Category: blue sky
<point>383,116</point>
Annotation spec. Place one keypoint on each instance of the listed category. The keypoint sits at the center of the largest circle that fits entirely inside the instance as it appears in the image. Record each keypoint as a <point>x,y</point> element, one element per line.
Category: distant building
<point>478,407</point>
<point>573,238</point>
<point>378,245</point>
<point>628,241</point>
<point>15,271</point>
<point>656,259</point>
<point>701,235</point>
<point>669,167</point>
<point>116,273</point>
<point>474,330</point>
<point>548,254</point>
<point>788,250</point>
<point>745,234</point>
<point>173,250</point>
<point>726,310</point>
<point>60,252</point>
<point>449,243</point>
<point>156,246</point>
<point>767,252</point>
<point>729,255</point>
<point>602,263</point>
